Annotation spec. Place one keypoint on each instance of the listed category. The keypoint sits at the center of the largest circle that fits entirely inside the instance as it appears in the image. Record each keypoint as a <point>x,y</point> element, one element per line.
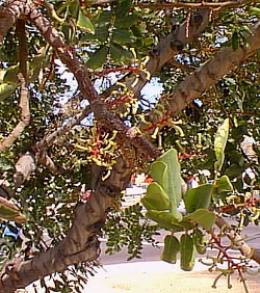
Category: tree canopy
<point>77,121</point>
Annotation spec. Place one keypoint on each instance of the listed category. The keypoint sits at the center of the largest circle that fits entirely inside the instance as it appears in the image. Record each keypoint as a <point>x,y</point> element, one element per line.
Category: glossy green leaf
<point>167,220</point>
<point>222,188</point>
<point>122,36</point>
<point>85,23</point>
<point>6,89</point>
<point>220,144</point>
<point>198,197</point>
<point>102,33</point>
<point>98,59</point>
<point>174,180</point>
<point>155,198</point>
<point>126,22</point>
<point>202,217</point>
<point>120,54</point>
<point>123,8</point>
<point>11,74</point>
<point>159,173</point>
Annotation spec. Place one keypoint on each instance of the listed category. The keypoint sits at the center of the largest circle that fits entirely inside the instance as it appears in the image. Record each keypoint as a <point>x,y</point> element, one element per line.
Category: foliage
<point>122,44</point>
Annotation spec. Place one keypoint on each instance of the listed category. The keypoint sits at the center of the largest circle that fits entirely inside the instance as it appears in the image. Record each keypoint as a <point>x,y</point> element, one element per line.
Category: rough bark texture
<point>166,50</point>
<point>194,85</point>
<point>108,119</point>
<point>9,15</point>
<point>81,243</point>
<point>169,46</point>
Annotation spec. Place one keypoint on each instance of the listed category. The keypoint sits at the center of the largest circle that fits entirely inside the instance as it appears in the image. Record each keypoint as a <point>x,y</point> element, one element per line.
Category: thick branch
<point>23,50</point>
<point>167,49</point>
<point>9,14</point>
<point>110,120</point>
<point>81,242</point>
<point>25,119</point>
<point>207,75</point>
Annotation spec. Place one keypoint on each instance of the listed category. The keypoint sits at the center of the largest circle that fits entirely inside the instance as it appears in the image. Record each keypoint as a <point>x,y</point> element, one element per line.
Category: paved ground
<point>160,277</point>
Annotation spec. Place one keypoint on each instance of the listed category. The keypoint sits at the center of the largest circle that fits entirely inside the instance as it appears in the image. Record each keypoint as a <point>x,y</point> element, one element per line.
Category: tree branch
<point>25,118</point>
<point>207,75</point>
<point>81,243</point>
<point>238,240</point>
<point>23,50</point>
<point>9,14</point>
<point>167,49</point>
<point>108,119</point>
<point>186,5</point>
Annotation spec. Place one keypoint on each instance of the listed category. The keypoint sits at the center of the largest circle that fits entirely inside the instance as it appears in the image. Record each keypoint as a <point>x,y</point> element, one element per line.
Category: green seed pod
<point>171,249</point>
<point>187,252</point>
<point>199,241</point>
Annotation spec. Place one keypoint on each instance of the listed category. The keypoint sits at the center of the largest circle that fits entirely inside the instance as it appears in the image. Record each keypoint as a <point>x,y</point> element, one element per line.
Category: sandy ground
<point>157,277</point>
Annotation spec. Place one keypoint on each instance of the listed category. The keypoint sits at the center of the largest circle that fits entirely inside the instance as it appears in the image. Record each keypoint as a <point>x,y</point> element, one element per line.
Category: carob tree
<point>96,134</point>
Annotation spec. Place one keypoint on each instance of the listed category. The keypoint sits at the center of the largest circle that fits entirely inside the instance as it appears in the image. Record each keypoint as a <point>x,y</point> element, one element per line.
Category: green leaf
<point>102,33</point>
<point>36,65</point>
<point>202,217</point>
<point>222,187</point>
<point>98,59</point>
<point>11,74</point>
<point>120,54</point>
<point>122,37</point>
<point>74,8</point>
<point>235,40</point>
<point>220,144</point>
<point>123,8</point>
<point>155,198</point>
<point>127,21</point>
<point>198,197</point>
<point>199,240</point>
<point>5,164</point>
<point>6,89</point>
<point>105,17</point>
<point>174,180</point>
<point>223,184</point>
<point>254,11</point>
<point>84,22</point>
<point>167,220</point>
<point>159,173</point>
<point>8,211</point>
